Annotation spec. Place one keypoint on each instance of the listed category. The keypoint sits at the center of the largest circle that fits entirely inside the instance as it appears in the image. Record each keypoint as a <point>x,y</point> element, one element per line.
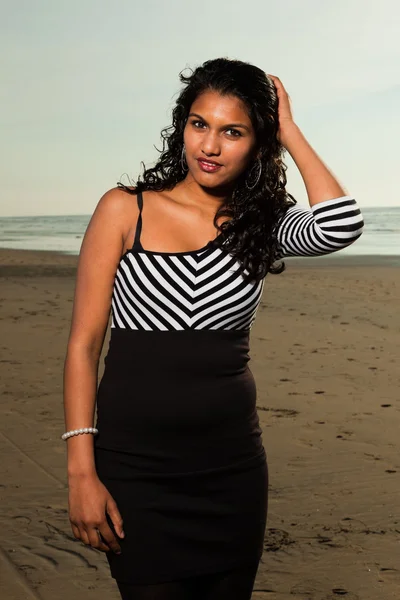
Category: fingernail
<point>122,533</point>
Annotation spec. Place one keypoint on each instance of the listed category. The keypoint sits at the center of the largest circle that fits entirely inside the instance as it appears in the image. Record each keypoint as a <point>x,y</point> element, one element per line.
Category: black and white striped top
<point>203,289</point>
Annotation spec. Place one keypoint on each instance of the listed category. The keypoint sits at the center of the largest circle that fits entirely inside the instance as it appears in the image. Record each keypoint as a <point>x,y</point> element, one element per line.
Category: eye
<point>235,132</point>
<point>197,124</point>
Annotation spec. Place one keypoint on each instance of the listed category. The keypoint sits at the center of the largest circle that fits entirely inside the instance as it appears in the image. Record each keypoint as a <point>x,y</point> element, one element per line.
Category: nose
<point>210,144</point>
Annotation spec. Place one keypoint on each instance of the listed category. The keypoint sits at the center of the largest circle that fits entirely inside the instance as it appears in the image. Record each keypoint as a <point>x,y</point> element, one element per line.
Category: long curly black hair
<point>250,233</point>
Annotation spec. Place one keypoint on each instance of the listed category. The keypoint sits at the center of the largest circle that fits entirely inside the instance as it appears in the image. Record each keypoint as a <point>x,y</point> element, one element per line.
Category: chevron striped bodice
<point>205,289</point>
<point>201,289</point>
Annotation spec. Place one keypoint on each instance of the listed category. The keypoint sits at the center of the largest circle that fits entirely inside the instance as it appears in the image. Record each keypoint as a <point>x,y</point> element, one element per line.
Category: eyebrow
<point>228,126</point>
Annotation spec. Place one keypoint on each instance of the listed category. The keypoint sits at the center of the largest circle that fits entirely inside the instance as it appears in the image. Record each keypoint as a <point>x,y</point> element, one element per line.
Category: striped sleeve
<point>326,227</point>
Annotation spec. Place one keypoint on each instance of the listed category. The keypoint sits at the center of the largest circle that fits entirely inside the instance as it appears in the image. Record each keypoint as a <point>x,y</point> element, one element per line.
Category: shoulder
<point>117,196</point>
<point>117,204</point>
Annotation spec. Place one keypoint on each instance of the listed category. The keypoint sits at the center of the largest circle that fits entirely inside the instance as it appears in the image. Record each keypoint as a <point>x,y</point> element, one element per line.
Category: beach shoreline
<point>14,257</point>
<point>324,353</point>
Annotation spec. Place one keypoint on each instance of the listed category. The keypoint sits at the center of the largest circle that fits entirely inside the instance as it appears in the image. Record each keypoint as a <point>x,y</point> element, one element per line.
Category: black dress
<point>179,444</point>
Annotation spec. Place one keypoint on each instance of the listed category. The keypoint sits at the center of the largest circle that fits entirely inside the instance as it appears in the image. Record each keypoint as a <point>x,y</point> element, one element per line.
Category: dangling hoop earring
<point>183,164</point>
<point>257,165</point>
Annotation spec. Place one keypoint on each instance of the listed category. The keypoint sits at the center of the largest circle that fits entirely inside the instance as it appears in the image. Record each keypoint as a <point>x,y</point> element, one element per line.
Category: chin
<point>213,185</point>
<point>212,181</point>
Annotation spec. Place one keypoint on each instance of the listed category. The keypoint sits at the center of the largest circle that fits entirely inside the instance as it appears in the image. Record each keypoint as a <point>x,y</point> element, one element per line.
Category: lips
<point>208,165</point>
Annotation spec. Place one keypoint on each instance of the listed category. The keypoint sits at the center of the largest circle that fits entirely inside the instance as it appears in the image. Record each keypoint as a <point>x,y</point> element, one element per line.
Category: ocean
<point>65,233</point>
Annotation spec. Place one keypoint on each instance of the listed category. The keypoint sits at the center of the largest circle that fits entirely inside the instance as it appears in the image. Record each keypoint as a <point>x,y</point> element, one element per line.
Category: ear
<point>257,153</point>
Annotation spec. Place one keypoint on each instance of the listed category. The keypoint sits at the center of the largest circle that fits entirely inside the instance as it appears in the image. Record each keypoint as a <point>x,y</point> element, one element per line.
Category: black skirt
<point>180,450</point>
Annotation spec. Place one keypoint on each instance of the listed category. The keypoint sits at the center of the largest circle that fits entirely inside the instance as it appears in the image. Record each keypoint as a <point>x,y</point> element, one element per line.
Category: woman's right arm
<point>100,253</point>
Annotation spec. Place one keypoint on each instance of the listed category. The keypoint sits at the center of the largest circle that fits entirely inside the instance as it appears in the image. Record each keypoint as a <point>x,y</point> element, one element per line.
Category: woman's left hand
<point>284,109</point>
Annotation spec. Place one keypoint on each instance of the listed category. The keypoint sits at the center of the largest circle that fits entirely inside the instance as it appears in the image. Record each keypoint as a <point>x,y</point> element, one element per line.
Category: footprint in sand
<point>279,412</point>
<point>337,593</point>
<point>372,456</point>
<point>306,589</point>
<point>276,539</point>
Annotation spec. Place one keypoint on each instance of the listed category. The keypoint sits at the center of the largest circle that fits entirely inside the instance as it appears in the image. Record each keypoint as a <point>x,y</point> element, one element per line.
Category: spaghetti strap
<point>136,243</point>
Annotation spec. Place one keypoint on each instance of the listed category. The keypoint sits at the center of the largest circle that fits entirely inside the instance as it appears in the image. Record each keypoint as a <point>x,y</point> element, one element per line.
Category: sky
<point>87,87</point>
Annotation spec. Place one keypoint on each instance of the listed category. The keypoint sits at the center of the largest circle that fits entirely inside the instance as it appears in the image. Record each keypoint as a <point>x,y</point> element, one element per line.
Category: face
<point>219,139</point>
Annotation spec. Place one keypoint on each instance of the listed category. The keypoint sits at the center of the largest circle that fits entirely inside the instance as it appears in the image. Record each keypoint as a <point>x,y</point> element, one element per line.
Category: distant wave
<point>383,229</point>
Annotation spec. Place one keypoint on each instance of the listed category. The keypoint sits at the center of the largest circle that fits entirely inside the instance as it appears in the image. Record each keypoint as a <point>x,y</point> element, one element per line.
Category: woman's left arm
<point>320,183</point>
<point>329,226</point>
<point>335,220</point>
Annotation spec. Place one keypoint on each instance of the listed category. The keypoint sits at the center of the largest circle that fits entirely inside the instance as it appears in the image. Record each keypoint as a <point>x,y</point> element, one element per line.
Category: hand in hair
<point>284,109</point>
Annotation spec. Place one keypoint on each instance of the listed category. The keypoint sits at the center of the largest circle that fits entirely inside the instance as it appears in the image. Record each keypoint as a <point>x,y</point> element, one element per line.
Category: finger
<point>109,538</point>
<point>95,539</point>
<point>115,516</point>
<point>279,85</point>
<point>75,531</point>
<point>84,536</point>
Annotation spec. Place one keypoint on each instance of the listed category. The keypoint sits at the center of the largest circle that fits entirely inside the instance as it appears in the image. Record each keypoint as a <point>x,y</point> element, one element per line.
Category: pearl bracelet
<point>69,434</point>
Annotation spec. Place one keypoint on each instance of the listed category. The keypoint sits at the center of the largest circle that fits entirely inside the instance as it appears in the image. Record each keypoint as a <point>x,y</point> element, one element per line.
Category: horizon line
<point>90,214</point>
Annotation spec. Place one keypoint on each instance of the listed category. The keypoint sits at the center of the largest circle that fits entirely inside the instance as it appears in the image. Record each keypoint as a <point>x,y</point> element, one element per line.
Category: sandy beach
<point>324,351</point>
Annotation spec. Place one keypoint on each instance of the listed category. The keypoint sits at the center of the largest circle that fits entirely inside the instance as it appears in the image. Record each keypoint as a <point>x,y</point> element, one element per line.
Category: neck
<point>194,193</point>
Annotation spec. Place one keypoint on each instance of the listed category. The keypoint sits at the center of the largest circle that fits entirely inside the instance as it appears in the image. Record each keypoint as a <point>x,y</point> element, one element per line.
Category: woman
<point>173,486</point>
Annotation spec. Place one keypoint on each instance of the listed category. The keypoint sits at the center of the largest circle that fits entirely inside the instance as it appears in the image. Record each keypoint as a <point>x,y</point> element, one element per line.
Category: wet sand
<point>324,351</point>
